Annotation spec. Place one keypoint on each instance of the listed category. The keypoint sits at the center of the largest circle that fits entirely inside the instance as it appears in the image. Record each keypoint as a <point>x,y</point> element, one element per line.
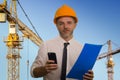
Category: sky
<point>98,22</point>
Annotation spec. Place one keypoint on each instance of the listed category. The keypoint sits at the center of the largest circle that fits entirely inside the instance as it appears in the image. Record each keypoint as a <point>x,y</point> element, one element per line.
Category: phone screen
<point>52,56</point>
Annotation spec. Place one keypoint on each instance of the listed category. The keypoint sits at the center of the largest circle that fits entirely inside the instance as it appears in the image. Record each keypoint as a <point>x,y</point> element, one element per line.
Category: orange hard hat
<point>65,10</point>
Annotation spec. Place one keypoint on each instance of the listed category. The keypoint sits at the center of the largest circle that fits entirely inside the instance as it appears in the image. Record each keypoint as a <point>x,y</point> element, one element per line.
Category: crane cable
<point>116,44</point>
<point>28,18</point>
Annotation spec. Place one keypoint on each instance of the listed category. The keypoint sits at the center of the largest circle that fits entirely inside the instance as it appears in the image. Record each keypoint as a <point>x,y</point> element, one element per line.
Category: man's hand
<point>89,75</point>
<point>50,65</point>
<point>43,70</point>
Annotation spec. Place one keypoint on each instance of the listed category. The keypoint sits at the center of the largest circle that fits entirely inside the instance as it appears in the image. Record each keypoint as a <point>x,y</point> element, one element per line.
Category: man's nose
<point>66,26</point>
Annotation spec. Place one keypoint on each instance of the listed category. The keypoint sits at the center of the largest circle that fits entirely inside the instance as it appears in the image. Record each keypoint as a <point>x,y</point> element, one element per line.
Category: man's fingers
<point>86,77</point>
<point>90,71</point>
<point>89,75</point>
<point>50,62</point>
<point>50,66</point>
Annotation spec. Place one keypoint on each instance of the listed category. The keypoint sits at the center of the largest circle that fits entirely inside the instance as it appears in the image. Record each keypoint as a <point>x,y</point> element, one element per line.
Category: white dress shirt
<point>56,45</point>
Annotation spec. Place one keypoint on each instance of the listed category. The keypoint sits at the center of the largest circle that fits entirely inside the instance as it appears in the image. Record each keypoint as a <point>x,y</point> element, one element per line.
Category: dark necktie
<point>64,62</point>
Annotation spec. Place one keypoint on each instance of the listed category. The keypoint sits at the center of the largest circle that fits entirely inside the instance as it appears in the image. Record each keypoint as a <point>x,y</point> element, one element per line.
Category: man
<point>65,20</point>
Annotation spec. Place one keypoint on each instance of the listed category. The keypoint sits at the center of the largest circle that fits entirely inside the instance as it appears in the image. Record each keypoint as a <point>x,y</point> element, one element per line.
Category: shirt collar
<point>63,41</point>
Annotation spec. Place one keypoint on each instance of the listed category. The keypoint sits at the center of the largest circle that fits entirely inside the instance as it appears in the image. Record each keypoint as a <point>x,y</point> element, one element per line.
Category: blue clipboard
<point>85,61</point>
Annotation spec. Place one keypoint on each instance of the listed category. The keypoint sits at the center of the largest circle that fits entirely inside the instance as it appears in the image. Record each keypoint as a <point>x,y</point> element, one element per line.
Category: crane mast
<point>13,43</point>
<point>110,63</point>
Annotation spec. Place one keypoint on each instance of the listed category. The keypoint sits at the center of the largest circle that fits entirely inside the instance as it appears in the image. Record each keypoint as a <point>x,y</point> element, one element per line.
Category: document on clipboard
<point>85,61</point>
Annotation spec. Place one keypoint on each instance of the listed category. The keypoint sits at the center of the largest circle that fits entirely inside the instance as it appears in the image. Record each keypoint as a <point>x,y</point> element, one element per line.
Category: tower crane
<point>13,41</point>
<point>110,63</point>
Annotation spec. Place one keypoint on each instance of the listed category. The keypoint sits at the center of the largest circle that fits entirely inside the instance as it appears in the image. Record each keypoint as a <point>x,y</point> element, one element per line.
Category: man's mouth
<point>66,30</point>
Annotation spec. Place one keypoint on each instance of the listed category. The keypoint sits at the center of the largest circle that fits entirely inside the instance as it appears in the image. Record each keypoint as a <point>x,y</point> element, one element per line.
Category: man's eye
<point>69,23</point>
<point>60,24</point>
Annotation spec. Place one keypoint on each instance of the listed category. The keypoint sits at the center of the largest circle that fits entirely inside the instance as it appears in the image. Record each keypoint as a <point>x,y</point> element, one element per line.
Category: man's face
<point>66,26</point>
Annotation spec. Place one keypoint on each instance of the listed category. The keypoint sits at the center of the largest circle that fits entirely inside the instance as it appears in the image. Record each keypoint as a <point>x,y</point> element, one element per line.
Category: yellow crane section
<point>2,14</point>
<point>22,27</point>
<point>3,5</point>
<point>29,33</point>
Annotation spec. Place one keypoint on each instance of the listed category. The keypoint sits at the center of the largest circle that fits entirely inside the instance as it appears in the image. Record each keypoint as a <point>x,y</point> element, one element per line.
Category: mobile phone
<point>52,56</point>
